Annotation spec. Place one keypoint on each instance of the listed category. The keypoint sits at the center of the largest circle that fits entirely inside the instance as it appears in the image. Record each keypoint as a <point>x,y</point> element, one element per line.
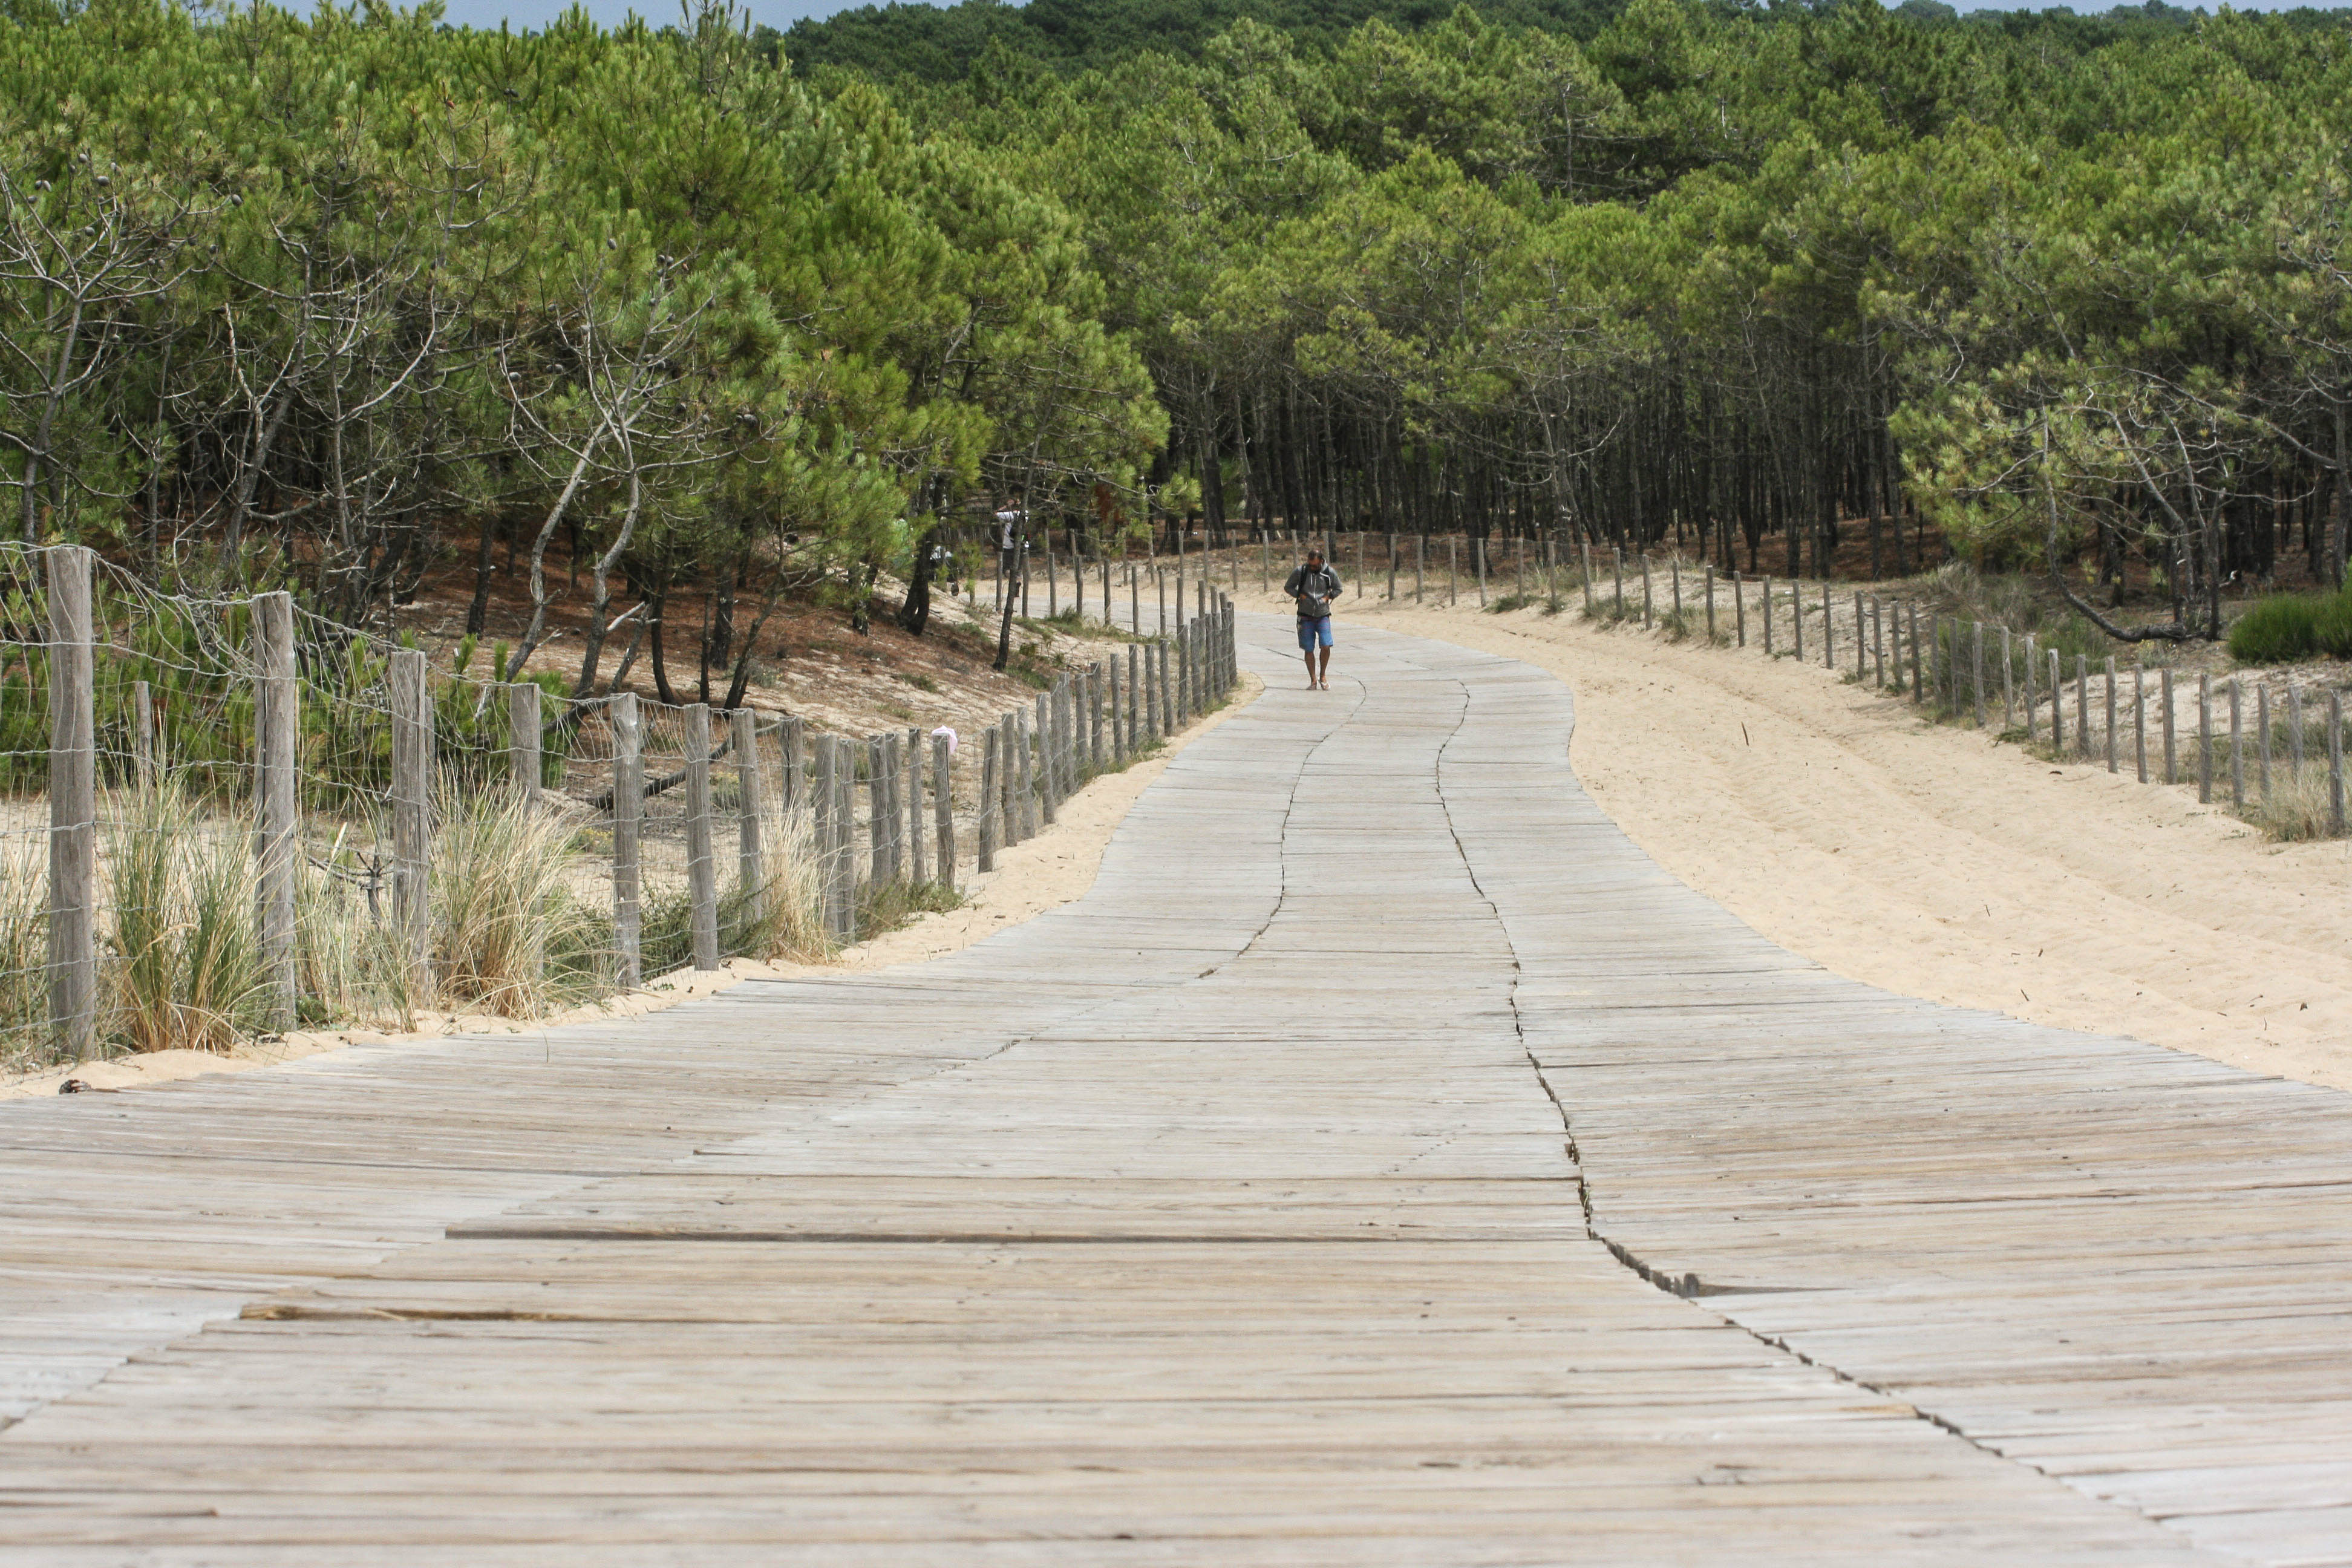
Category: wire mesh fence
<point>221,819</point>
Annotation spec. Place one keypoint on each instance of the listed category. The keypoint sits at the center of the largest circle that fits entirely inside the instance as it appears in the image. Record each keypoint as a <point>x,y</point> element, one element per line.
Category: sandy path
<point>1935,863</point>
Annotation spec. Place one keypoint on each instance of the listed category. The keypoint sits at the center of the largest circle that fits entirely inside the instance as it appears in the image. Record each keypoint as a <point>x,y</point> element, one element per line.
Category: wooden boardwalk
<point>1384,1164</point>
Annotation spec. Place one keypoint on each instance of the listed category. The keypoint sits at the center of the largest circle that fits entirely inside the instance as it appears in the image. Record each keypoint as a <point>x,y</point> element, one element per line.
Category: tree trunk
<point>915,615</point>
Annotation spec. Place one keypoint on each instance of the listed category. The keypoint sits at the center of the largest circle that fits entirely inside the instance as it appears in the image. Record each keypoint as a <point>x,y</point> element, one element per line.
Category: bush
<point>2277,630</point>
<point>2332,628</point>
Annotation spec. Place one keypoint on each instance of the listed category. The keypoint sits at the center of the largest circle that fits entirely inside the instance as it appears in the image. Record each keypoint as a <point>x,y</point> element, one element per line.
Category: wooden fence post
<point>794,748</point>
<point>887,817</point>
<point>1008,820</point>
<point>1420,562</point>
<point>902,774</point>
<point>1168,718</point>
<point>1050,753</point>
<point>1453,574</point>
<point>1134,697</point>
<point>73,803</point>
<point>1861,639</point>
<point>943,838</point>
<point>845,782</point>
<point>821,826</point>
<point>1918,690</point>
<point>1151,692</point>
<point>1183,650</point>
<point>2294,730</point>
<point>2057,703</point>
<point>702,874</point>
<point>2139,717</point>
<point>1097,753</point>
<point>1061,706</point>
<point>2082,705</point>
<point>1797,618</point>
<point>990,744</point>
<point>1645,590</point>
<point>412,819</point>
<point>1010,780</point>
<point>2033,664</point>
<point>1617,567</point>
<point>278,724</point>
<point>1585,545</point>
<point>1392,565</point>
<point>1117,733</point>
<point>1710,603</point>
<point>2263,740</point>
<point>628,817</point>
<point>875,851</point>
<point>917,868</point>
<point>2335,764</point>
<point>143,703</point>
<point>1976,660</point>
<point>827,812</point>
<point>1036,814</point>
<point>2007,683</point>
<point>750,816</point>
<point>2204,740</point>
<point>1740,606</point>
<point>523,731</point>
<point>2237,749</point>
<point>1675,575</point>
<point>2164,695</point>
<point>2111,713</point>
<point>1768,616</point>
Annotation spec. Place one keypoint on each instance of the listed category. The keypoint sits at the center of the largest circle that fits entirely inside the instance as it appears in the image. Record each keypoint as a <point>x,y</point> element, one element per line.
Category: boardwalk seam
<point>1687,1287</point>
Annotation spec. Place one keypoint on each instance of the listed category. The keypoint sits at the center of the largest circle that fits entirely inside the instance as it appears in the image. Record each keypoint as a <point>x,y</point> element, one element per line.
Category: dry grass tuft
<point>508,937</point>
<point>186,969</point>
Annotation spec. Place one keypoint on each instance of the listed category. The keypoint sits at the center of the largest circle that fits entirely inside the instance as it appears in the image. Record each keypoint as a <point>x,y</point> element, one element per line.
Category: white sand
<point>1049,870</point>
<point>1935,863</point>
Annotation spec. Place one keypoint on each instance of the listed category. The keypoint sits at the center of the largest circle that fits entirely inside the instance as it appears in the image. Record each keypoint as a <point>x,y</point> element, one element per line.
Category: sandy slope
<point>1935,863</point>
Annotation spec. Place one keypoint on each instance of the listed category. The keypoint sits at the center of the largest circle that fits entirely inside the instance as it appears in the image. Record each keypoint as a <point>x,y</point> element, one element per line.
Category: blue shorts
<point>1314,634</point>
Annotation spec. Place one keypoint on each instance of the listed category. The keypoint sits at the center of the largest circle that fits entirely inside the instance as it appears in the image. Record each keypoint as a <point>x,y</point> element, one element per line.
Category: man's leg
<point>1306,651</point>
<point>1326,674</point>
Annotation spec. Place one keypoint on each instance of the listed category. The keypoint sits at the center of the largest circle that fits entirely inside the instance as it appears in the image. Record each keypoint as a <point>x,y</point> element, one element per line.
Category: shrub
<point>2332,626</point>
<point>2281,628</point>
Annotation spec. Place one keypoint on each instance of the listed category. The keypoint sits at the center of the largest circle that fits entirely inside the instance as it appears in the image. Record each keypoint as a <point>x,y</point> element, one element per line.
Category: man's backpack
<point>1317,588</point>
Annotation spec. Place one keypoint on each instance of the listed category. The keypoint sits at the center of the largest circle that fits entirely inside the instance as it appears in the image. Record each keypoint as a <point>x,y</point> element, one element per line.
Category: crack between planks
<point>1687,1287</point>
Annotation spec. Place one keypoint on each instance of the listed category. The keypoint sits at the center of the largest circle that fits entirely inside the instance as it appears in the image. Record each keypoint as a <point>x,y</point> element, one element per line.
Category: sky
<point>781,13</point>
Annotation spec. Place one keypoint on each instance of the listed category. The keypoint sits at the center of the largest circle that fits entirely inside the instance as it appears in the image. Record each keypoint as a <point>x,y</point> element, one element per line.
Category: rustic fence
<point>256,818</point>
<point>2272,747</point>
<point>1126,590</point>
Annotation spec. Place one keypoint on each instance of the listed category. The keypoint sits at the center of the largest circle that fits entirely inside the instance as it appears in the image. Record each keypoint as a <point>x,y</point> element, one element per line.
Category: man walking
<point>1314,588</point>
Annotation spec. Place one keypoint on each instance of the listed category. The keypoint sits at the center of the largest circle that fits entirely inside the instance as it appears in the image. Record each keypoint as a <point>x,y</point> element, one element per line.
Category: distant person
<point>1314,588</point>
<point>946,565</point>
<point>1008,540</point>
